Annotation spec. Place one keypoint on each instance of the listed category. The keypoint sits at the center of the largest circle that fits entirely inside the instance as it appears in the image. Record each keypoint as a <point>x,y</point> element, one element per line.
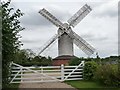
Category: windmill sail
<point>51,18</point>
<point>81,43</point>
<point>47,44</point>
<point>78,16</point>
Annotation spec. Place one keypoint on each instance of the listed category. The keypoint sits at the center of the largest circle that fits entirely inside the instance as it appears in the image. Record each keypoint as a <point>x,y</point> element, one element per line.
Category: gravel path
<point>45,85</point>
<point>54,85</point>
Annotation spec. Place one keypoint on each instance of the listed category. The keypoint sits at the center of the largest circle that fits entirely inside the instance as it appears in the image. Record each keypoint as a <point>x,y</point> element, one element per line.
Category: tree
<point>10,38</point>
<point>21,57</point>
<point>30,53</point>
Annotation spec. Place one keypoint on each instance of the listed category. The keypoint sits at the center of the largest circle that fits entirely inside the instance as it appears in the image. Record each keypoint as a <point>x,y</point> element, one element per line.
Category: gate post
<point>21,73</point>
<point>83,64</point>
<point>62,72</point>
<point>41,73</point>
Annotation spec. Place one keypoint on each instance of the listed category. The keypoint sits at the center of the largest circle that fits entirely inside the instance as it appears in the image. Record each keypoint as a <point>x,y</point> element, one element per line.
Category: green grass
<point>16,86</point>
<point>86,84</point>
<point>11,87</point>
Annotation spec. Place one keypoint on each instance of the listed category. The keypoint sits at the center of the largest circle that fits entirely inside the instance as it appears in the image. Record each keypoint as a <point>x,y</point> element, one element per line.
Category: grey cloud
<point>33,18</point>
<point>91,37</point>
<point>118,47</point>
<point>30,41</point>
<point>110,13</point>
<point>97,39</point>
<point>87,36</point>
<point>61,15</point>
<point>105,9</point>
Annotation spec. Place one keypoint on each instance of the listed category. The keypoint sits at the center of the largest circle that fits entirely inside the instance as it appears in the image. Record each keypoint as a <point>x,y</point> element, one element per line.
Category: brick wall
<point>59,62</point>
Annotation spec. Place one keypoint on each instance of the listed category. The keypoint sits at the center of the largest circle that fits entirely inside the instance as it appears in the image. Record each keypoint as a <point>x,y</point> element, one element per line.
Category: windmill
<point>66,36</point>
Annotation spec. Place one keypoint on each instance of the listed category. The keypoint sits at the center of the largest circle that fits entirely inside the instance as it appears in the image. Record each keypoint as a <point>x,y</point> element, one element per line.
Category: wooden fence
<point>22,74</point>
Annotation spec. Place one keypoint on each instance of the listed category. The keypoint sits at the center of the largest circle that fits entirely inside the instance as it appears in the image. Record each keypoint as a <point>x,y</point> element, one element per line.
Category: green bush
<point>89,70</point>
<point>108,75</point>
<point>75,61</point>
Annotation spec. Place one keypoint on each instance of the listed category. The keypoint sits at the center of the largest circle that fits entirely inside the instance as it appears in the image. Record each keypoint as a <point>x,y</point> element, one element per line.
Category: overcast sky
<point>99,28</point>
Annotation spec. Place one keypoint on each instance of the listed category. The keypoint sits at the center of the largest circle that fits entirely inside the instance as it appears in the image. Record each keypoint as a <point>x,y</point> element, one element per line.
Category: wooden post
<point>42,73</point>
<point>41,69</point>
<point>62,72</point>
<point>83,69</point>
<point>21,74</point>
<point>83,63</point>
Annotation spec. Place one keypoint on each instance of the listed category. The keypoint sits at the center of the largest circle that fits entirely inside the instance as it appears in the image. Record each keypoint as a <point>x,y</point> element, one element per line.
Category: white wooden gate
<point>20,74</point>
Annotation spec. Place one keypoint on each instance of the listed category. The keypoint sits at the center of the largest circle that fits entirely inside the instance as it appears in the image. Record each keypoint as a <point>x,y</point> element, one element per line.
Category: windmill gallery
<point>66,36</point>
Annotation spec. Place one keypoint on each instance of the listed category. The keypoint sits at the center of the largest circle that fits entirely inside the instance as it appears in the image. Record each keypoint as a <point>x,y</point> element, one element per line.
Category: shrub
<point>108,75</point>
<point>89,70</point>
<point>75,61</point>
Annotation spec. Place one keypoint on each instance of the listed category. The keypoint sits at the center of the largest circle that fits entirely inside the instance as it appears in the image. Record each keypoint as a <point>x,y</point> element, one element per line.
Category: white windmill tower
<point>66,36</point>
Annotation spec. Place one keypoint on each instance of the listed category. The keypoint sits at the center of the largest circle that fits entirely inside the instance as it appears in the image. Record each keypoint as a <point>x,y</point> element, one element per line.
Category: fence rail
<point>22,74</point>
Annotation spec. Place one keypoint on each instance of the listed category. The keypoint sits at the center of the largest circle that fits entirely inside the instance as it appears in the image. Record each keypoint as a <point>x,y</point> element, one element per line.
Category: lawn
<point>14,86</point>
<point>88,84</point>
